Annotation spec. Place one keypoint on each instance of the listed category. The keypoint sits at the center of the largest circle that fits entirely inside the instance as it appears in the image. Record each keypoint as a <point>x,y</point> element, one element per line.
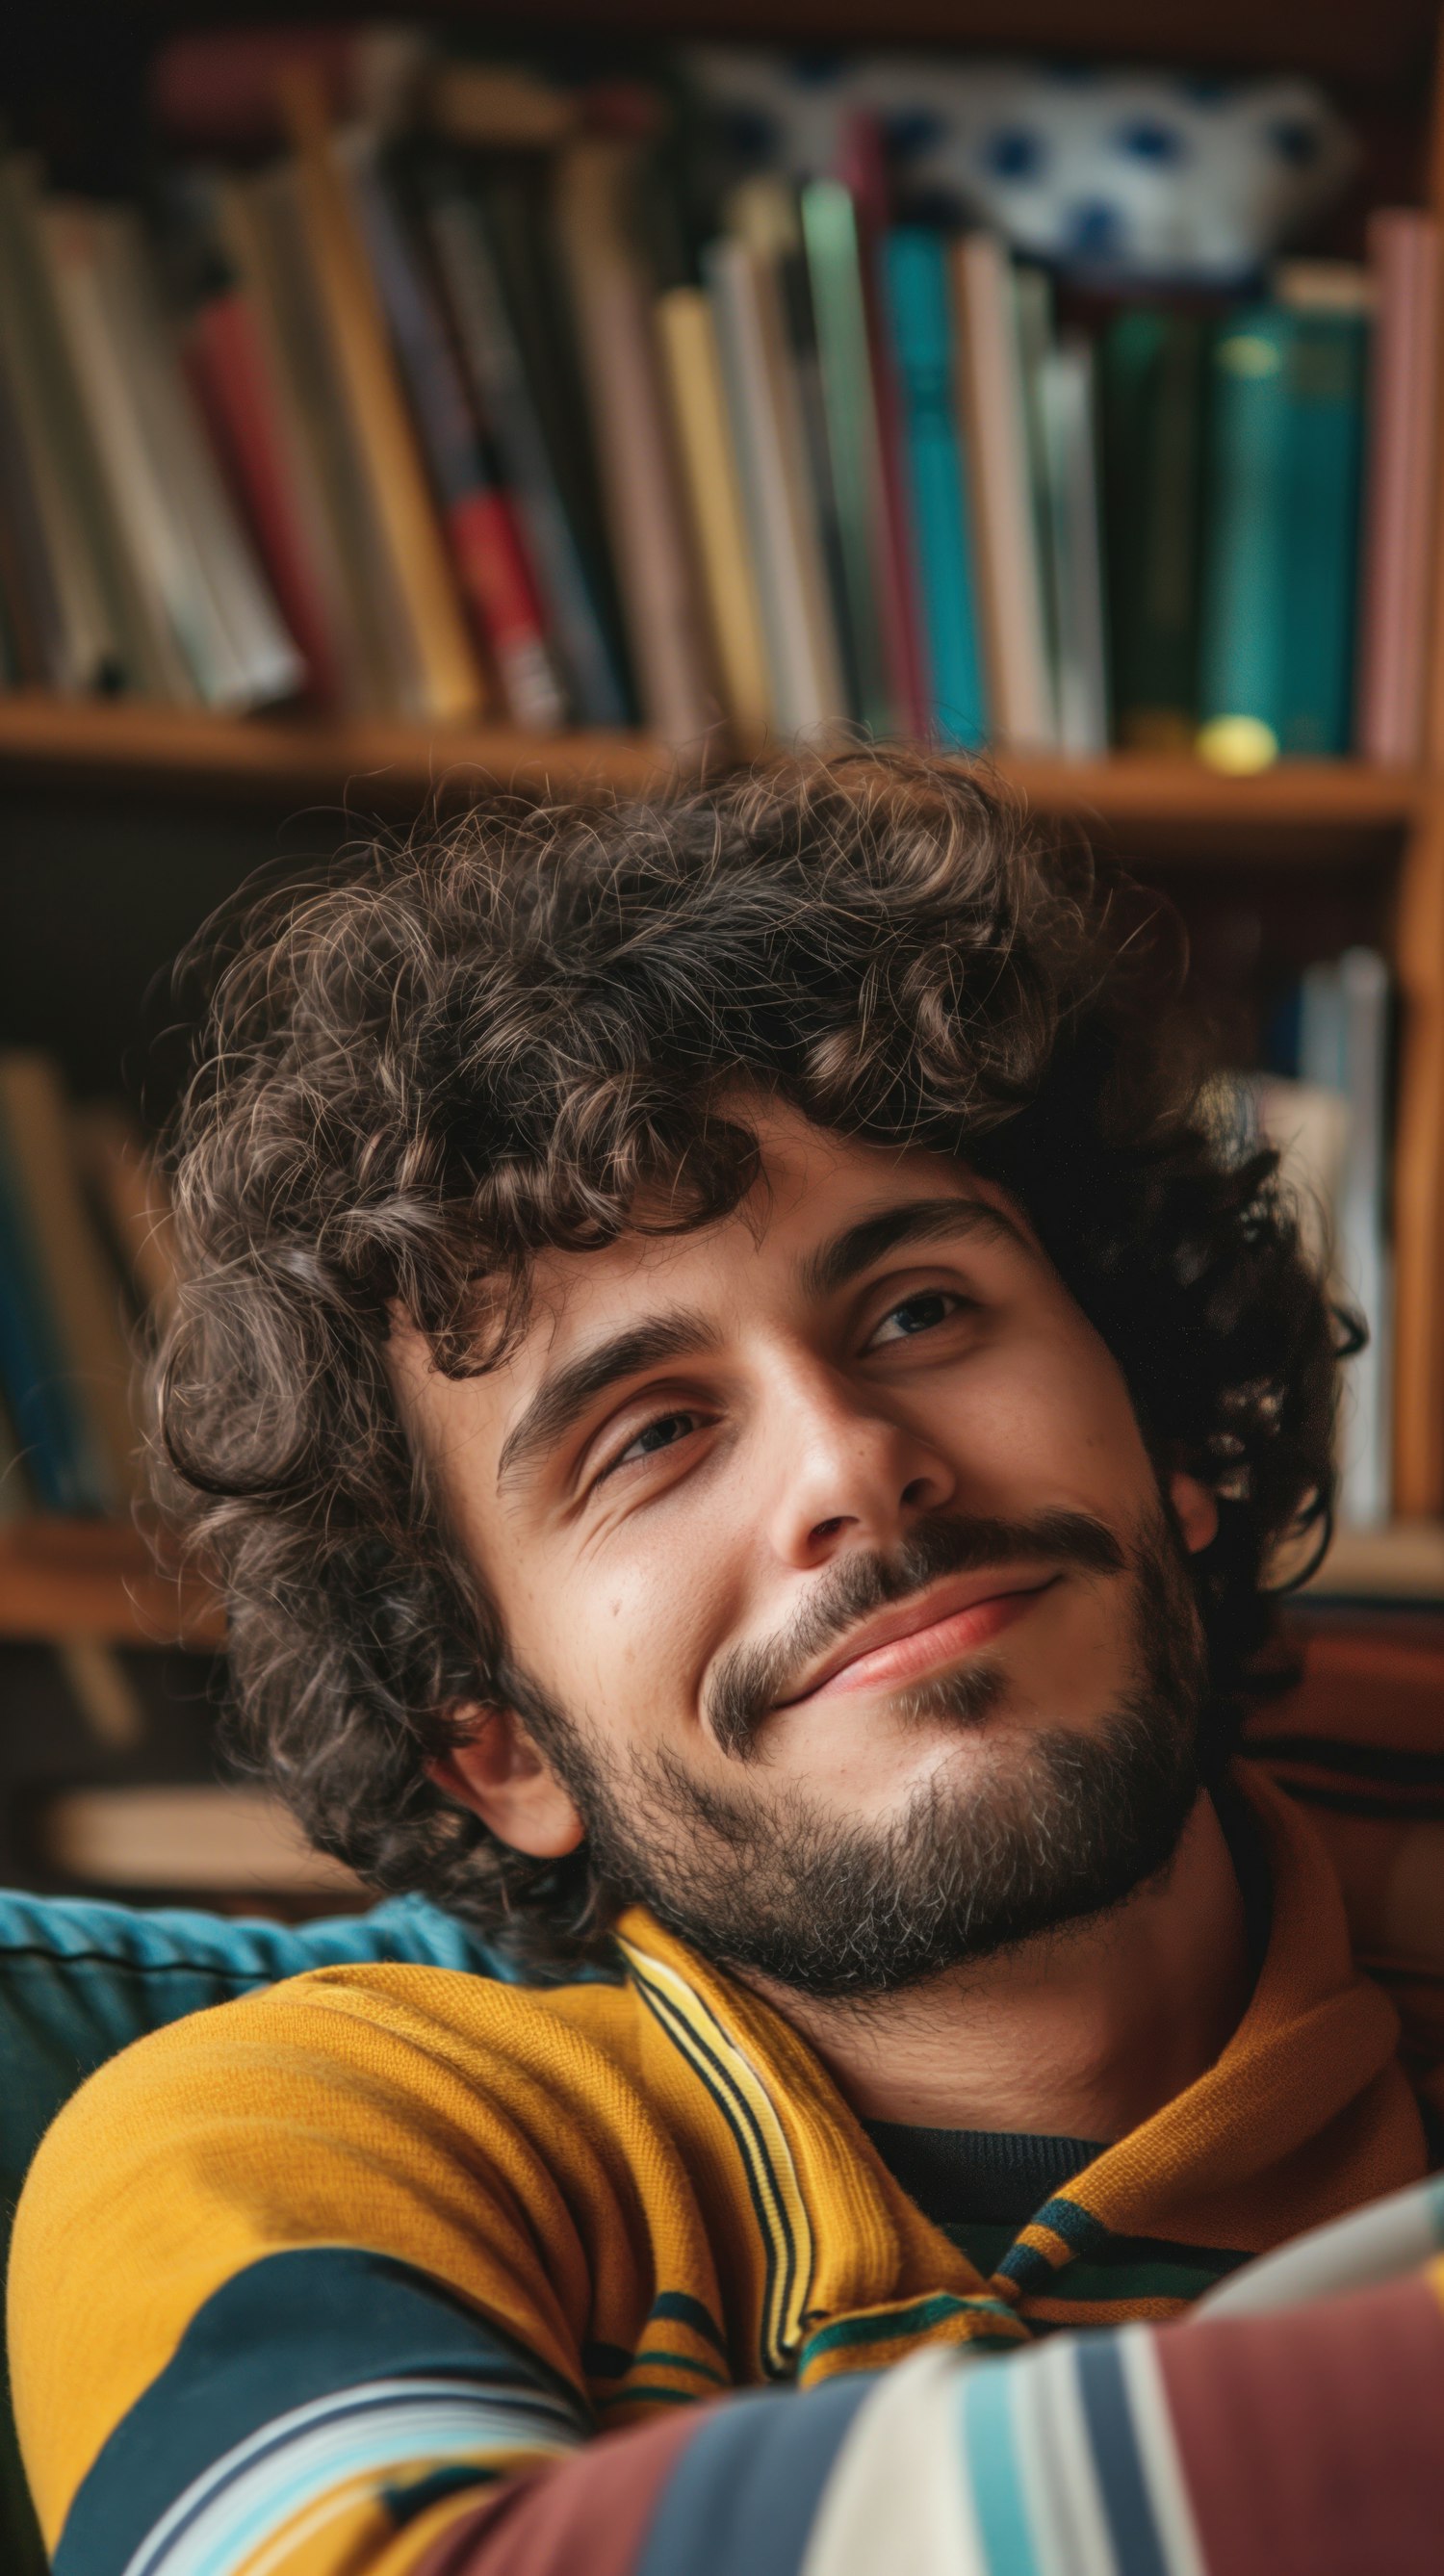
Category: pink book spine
<point>864,171</point>
<point>1398,533</point>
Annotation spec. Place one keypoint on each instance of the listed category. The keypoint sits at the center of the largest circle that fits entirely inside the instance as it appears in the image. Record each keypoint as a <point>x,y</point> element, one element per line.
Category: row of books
<point>430,427</point>
<point>84,1252</point>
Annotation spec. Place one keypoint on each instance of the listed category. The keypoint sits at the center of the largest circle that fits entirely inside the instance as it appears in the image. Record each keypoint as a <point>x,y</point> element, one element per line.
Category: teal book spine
<point>1322,504</point>
<point>1242,691</point>
<point>915,275</point>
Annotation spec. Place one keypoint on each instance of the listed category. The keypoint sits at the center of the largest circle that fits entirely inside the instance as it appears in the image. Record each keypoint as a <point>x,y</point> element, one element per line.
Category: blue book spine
<point>1322,503</point>
<point>920,319</point>
<point>57,1446</point>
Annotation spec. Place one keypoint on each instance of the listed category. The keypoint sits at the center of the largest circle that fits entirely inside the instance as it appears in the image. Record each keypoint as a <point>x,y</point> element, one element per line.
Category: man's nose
<point>845,1473</point>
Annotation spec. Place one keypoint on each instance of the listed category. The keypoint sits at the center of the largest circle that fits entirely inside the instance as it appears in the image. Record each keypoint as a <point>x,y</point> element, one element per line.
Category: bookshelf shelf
<point>116,745</point>
<point>1144,787</point>
<point>94,1579</point>
<point>121,744</point>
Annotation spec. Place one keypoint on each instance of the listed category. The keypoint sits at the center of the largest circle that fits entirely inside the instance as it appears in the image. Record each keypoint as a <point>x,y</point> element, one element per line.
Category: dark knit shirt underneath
<point>980,2186</point>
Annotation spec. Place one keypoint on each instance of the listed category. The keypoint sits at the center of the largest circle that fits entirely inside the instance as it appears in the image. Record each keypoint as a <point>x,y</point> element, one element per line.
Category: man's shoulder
<point>440,2120</point>
<point>275,2116</point>
<point>388,2033</point>
<point>409,1997</point>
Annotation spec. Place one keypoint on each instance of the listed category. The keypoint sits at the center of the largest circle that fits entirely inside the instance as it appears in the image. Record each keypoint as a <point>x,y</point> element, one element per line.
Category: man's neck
<point>1083,2033</point>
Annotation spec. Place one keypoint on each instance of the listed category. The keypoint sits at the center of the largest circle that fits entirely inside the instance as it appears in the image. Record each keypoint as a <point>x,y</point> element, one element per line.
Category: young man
<point>745,1416</point>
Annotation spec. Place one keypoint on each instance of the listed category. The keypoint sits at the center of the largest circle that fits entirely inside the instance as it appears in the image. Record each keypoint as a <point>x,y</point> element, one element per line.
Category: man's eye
<point>664,1433</point>
<point>919,1314</point>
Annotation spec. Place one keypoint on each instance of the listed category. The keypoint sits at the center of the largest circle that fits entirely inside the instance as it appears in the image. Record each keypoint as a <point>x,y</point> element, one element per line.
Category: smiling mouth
<point>933,1634</point>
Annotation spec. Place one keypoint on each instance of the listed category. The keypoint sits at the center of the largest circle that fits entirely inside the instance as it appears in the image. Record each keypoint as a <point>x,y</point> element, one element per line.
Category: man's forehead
<point>810,1185</point>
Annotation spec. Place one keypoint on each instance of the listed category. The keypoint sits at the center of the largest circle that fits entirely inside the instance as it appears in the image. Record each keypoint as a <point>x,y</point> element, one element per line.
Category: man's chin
<point>1004,1838</point>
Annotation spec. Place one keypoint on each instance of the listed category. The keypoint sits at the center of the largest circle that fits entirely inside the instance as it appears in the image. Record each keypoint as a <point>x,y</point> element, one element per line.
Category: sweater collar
<point>1304,2115</point>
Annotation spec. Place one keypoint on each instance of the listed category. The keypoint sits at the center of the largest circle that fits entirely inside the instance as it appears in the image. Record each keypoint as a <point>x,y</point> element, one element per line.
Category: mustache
<point>751,1680</point>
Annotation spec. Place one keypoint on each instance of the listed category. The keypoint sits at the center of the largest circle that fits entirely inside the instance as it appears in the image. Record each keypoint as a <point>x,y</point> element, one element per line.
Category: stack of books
<point>485,417</point>
<point>1324,1109</point>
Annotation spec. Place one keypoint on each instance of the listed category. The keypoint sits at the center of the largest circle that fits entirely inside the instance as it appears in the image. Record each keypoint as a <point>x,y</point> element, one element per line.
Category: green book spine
<point>1322,505</point>
<point>1242,669</point>
<point>829,232</point>
<point>1152,405</point>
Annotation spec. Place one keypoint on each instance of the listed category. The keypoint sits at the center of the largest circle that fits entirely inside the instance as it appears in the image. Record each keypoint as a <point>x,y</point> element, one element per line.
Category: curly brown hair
<point>514,1033</point>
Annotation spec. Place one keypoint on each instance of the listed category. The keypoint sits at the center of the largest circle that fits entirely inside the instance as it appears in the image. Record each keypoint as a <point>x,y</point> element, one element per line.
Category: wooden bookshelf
<point>118,744</point>
<point>1312,816</point>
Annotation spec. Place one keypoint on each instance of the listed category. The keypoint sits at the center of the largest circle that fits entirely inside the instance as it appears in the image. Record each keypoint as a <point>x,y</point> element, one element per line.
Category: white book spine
<point>250,648</point>
<point>1065,401</point>
<point>1006,526</point>
<point>46,401</point>
<point>161,579</point>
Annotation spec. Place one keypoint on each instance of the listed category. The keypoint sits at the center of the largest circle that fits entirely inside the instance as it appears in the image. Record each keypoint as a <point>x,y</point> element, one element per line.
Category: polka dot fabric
<point>1148,175</point>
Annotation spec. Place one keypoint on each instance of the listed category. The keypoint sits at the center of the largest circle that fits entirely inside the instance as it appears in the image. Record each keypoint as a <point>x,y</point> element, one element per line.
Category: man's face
<point>837,1588</point>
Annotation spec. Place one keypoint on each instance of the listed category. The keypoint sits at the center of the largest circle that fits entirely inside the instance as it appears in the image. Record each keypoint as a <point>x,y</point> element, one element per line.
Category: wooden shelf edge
<point>63,1579</point>
<point>1154,787</point>
<point>121,743</point>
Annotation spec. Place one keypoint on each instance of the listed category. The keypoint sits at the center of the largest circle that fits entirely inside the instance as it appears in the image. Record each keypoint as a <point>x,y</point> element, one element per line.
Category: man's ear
<point>1195,1508</point>
<point>498,1773</point>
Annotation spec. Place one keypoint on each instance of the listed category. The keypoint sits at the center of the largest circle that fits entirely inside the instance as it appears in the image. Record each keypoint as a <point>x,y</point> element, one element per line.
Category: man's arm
<point>279,2312</point>
<point>1308,2443</point>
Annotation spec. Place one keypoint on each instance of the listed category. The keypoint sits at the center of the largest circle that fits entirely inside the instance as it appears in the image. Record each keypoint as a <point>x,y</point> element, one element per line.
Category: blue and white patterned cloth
<point>1133,174</point>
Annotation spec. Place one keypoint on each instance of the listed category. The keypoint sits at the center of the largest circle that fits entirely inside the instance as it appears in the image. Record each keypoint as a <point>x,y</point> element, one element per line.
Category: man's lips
<point>920,1635</point>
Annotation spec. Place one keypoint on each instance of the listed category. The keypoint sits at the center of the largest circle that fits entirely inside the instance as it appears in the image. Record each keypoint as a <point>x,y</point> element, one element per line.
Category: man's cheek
<point>626,1653</point>
<point>1075,1663</point>
<point>1066,1419</point>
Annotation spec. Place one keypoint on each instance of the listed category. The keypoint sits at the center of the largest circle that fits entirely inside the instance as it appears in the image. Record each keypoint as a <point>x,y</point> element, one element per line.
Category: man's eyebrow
<point>562,1399</point>
<point>914,1221</point>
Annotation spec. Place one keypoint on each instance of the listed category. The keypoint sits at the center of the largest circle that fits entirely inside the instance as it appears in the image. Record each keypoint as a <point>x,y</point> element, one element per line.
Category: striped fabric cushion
<point>1361,1744</point>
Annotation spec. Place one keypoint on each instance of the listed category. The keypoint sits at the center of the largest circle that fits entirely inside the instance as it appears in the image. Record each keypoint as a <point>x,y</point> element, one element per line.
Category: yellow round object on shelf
<point>1239,745</point>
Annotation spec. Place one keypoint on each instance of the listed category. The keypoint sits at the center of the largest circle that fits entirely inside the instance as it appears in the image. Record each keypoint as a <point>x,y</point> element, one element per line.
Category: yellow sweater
<point>640,2193</point>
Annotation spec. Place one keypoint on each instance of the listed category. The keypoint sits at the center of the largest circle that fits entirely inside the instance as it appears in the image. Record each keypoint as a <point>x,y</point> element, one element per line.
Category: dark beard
<point>1064,1828</point>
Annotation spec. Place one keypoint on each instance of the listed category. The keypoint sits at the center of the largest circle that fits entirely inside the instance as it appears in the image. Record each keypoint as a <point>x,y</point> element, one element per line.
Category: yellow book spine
<point>693,372</point>
<point>453,678</point>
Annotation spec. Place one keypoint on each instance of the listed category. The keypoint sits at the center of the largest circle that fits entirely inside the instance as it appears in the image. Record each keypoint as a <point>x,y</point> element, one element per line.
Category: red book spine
<point>497,580</point>
<point>228,366</point>
<point>864,172</point>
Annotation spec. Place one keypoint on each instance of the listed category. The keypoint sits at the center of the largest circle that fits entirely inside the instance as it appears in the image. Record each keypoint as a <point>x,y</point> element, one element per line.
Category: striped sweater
<point>348,2278</point>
